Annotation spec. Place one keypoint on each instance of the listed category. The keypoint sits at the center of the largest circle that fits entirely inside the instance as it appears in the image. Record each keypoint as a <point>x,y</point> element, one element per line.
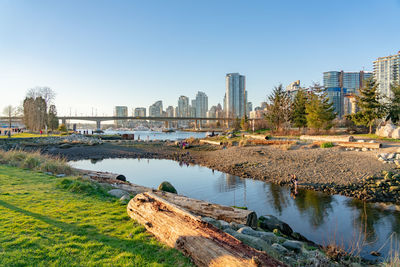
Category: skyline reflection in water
<point>320,217</point>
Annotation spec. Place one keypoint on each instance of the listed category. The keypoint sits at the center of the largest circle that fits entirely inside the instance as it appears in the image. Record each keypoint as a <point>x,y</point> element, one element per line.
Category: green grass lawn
<point>43,224</point>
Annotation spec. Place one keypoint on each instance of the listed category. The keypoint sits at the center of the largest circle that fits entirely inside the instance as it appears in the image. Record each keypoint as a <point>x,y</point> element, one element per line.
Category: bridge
<point>99,119</point>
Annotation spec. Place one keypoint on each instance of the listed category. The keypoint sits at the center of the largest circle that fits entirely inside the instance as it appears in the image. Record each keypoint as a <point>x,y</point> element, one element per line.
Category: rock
<point>360,141</point>
<point>125,198</point>
<point>266,236</point>
<point>279,248</point>
<point>372,141</point>
<point>224,224</point>
<point>60,175</point>
<point>48,173</point>
<point>382,159</point>
<point>167,187</point>
<point>391,156</point>
<point>212,221</point>
<point>270,222</point>
<point>296,246</point>
<point>236,226</point>
<point>397,156</point>
<point>118,192</point>
<point>252,241</point>
<point>396,133</point>
<point>364,149</point>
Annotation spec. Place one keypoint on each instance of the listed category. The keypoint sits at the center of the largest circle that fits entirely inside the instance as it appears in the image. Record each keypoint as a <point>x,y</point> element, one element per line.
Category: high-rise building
<point>387,72</point>
<point>170,111</point>
<point>235,95</point>
<point>201,105</point>
<point>120,111</point>
<point>340,84</point>
<point>156,110</point>
<point>249,107</point>
<point>183,106</point>
<point>140,112</point>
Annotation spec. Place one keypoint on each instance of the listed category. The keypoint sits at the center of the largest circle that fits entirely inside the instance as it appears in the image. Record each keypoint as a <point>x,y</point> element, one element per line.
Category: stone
<point>60,175</point>
<point>167,187</point>
<point>295,246</point>
<point>212,221</point>
<point>364,149</point>
<point>396,133</point>
<point>382,159</point>
<point>360,141</point>
<point>270,222</point>
<point>279,248</point>
<point>391,156</point>
<point>48,173</point>
<point>372,141</point>
<point>266,236</point>
<point>125,198</point>
<point>388,130</point>
<point>397,156</point>
<point>251,241</point>
<point>224,224</point>
<point>117,192</point>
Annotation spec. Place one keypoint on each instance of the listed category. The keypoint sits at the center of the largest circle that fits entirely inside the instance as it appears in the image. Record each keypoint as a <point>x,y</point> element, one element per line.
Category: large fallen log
<point>360,144</point>
<point>102,175</point>
<point>217,143</point>
<point>205,244</point>
<point>328,138</point>
<point>218,212</point>
<point>257,136</point>
<point>270,142</point>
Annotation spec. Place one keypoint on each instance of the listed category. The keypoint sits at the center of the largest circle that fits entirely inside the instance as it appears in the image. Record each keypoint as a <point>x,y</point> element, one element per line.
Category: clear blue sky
<point>105,53</point>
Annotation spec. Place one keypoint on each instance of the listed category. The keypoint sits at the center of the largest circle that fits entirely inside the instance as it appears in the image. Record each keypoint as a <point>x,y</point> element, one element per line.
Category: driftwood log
<point>328,138</point>
<point>218,212</point>
<point>203,141</point>
<point>103,175</point>
<point>360,144</point>
<point>257,136</point>
<point>205,244</point>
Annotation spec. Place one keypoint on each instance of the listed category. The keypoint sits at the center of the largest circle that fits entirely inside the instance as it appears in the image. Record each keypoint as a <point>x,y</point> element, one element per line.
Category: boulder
<point>118,193</point>
<point>270,222</point>
<point>388,130</point>
<point>224,224</point>
<point>266,236</point>
<point>295,246</point>
<point>251,241</point>
<point>125,198</point>
<point>396,133</point>
<point>167,187</point>
<point>279,248</point>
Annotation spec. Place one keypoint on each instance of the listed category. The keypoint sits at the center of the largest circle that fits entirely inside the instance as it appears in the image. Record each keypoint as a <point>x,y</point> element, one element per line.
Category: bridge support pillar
<point>166,124</point>
<point>98,125</point>
<point>253,121</point>
<point>64,121</point>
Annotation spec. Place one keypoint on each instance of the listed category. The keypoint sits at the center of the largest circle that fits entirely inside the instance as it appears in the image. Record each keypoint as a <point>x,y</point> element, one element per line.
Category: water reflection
<point>315,204</point>
<point>317,216</point>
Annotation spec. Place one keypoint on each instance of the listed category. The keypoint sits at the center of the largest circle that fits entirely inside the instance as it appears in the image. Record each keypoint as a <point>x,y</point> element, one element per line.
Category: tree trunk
<point>203,242</point>
<point>218,212</point>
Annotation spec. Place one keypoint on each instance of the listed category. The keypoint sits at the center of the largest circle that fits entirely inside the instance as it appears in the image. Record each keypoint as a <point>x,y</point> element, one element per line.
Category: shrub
<point>326,145</point>
<point>82,187</point>
<point>31,162</point>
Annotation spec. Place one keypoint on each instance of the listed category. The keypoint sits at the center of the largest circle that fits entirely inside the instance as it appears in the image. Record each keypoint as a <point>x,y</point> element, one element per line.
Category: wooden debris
<point>218,212</point>
<point>205,244</point>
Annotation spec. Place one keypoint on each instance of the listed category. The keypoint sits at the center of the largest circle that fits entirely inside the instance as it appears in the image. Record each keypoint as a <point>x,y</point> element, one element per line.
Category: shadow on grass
<point>91,233</point>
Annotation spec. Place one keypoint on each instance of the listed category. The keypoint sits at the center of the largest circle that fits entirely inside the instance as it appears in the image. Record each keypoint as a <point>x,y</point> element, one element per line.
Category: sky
<point>99,54</point>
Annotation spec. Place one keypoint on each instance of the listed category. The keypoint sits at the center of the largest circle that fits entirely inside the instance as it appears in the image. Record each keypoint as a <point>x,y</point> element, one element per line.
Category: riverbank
<point>50,221</point>
<point>316,168</point>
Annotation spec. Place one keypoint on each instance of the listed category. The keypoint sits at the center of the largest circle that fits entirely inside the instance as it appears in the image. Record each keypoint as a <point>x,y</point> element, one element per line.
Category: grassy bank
<point>48,221</point>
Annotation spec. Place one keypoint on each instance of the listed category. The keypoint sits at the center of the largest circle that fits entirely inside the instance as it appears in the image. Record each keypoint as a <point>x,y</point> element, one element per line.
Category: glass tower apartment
<point>387,72</point>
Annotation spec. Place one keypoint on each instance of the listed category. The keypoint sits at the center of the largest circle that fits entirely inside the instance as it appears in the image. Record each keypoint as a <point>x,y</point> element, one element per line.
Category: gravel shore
<point>269,163</point>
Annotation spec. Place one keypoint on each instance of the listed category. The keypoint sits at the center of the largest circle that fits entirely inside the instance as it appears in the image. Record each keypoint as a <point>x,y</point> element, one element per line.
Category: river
<point>320,217</point>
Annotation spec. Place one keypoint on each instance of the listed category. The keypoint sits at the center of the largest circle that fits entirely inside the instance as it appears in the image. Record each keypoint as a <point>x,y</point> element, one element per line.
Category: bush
<point>31,162</point>
<point>326,145</point>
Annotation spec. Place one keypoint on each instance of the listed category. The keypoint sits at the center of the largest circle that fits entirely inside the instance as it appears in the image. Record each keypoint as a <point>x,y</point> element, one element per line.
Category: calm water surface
<point>157,135</point>
<point>319,217</point>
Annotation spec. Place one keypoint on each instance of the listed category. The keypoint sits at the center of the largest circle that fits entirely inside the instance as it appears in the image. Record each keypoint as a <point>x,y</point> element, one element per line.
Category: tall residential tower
<point>387,72</point>
<point>235,95</point>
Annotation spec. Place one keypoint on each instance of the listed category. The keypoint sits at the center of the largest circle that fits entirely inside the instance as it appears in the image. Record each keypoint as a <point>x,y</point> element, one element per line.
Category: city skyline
<point>96,55</point>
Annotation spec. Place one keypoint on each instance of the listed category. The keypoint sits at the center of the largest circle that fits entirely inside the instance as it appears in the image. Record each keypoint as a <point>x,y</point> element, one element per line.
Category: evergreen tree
<point>319,109</point>
<point>393,107</point>
<point>369,106</point>
<point>52,118</point>
<point>279,108</point>
<point>244,124</point>
<point>299,118</point>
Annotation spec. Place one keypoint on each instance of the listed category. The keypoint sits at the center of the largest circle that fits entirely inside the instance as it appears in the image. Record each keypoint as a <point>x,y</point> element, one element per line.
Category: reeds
<point>35,161</point>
